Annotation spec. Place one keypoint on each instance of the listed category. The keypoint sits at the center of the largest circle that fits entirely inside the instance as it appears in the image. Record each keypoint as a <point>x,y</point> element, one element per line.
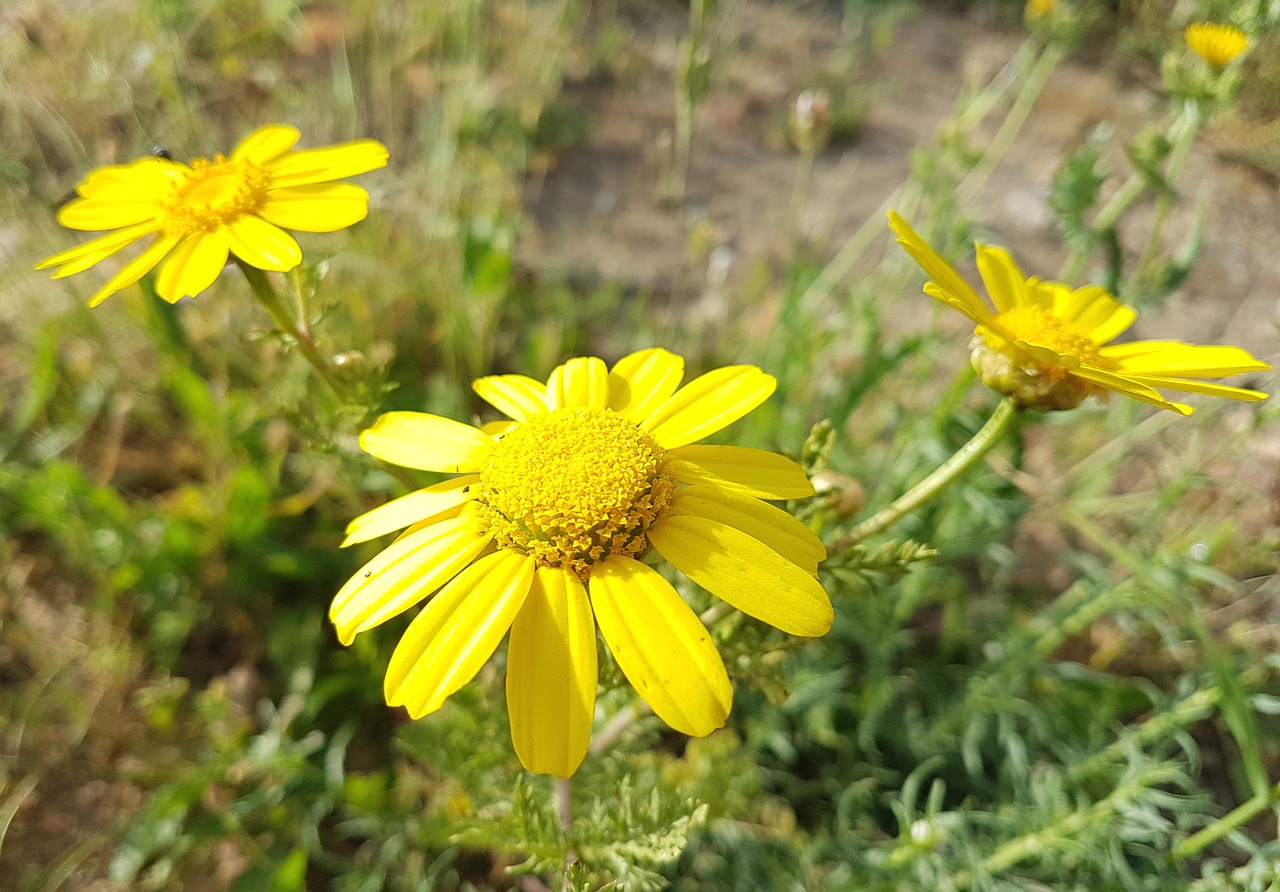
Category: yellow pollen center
<point>214,194</point>
<point>1038,326</point>
<point>573,487</point>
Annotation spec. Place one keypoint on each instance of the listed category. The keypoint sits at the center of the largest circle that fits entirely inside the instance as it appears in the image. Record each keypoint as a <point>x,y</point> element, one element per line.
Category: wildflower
<point>195,214</point>
<point>1047,345</point>
<point>545,533</point>
<point>1038,8</point>
<point>1216,44</point>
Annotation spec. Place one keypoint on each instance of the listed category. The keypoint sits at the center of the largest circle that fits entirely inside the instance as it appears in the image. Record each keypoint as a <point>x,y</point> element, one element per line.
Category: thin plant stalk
<point>296,329</point>
<point>1000,144</point>
<point>947,473</point>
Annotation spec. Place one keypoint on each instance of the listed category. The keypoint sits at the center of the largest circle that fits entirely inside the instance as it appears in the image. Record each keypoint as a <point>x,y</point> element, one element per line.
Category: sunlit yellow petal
<point>81,257</point>
<point>262,244</point>
<point>412,508</point>
<point>1005,282</point>
<point>404,573</point>
<point>456,633</point>
<point>709,403</point>
<point>552,674</point>
<point>85,213</point>
<point>135,269</point>
<point>642,381</point>
<point>979,314</point>
<point>329,163</point>
<point>497,428</point>
<point>266,143</point>
<point>745,572</point>
<point>516,396</point>
<point>426,442</point>
<point>661,646</point>
<point>582,381</point>
<point>1187,385</point>
<point>790,538</point>
<point>1129,387</point>
<point>324,208</point>
<point>150,179</point>
<point>936,268</point>
<point>193,265</point>
<point>1176,359</point>
<point>753,472</point>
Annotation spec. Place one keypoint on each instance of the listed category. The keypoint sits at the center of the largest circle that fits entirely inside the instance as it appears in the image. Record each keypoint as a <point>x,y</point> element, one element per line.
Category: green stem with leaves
<point>296,329</point>
<point>965,457</point>
<point>1233,820</point>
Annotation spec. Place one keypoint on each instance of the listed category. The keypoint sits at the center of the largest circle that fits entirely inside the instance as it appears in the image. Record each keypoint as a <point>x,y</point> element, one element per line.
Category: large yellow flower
<point>546,531</point>
<point>195,214</point>
<point>1046,345</point>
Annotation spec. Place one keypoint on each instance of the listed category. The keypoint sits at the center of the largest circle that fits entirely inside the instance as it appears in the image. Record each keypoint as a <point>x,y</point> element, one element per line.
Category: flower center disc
<point>1040,327</point>
<point>573,487</point>
<point>214,194</point>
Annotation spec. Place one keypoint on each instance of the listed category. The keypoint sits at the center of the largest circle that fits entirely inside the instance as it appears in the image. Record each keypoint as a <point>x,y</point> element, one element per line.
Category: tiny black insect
<point>159,151</point>
<point>368,573</point>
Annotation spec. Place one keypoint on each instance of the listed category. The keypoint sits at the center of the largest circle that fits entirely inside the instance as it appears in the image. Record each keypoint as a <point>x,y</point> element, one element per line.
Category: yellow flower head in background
<point>1047,345</point>
<point>1038,8</point>
<point>545,533</point>
<point>195,214</point>
<point>1217,44</point>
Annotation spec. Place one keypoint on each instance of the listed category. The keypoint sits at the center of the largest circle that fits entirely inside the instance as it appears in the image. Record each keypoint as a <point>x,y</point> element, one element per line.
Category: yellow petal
<point>86,213</point>
<point>413,508</point>
<point>709,403</point>
<point>1005,282</point>
<point>325,208</point>
<point>193,265</point>
<point>790,538</point>
<point>456,633</point>
<point>936,268</point>
<point>661,646</point>
<point>979,314</point>
<point>516,396</point>
<point>1129,387</point>
<point>266,143</point>
<point>642,381</point>
<point>135,269</point>
<point>1174,358</point>
<point>1189,386</point>
<point>404,573</point>
<point>329,163</point>
<point>582,381</point>
<point>426,442</point>
<point>145,179</point>
<point>1093,310</point>
<point>753,472</point>
<point>497,428</point>
<point>745,572</point>
<point>81,257</point>
<point>552,674</point>
<point>261,244</point>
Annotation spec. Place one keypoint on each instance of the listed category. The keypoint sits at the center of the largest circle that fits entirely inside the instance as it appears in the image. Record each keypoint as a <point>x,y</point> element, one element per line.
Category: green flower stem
<point>1000,144</point>
<point>964,458</point>
<point>564,804</point>
<point>1233,820</point>
<point>297,330</point>
<point>1181,134</point>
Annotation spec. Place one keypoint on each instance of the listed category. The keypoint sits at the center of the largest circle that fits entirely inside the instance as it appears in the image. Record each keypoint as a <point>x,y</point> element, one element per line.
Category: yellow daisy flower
<point>1216,44</point>
<point>545,533</point>
<point>1048,346</point>
<point>195,214</point>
